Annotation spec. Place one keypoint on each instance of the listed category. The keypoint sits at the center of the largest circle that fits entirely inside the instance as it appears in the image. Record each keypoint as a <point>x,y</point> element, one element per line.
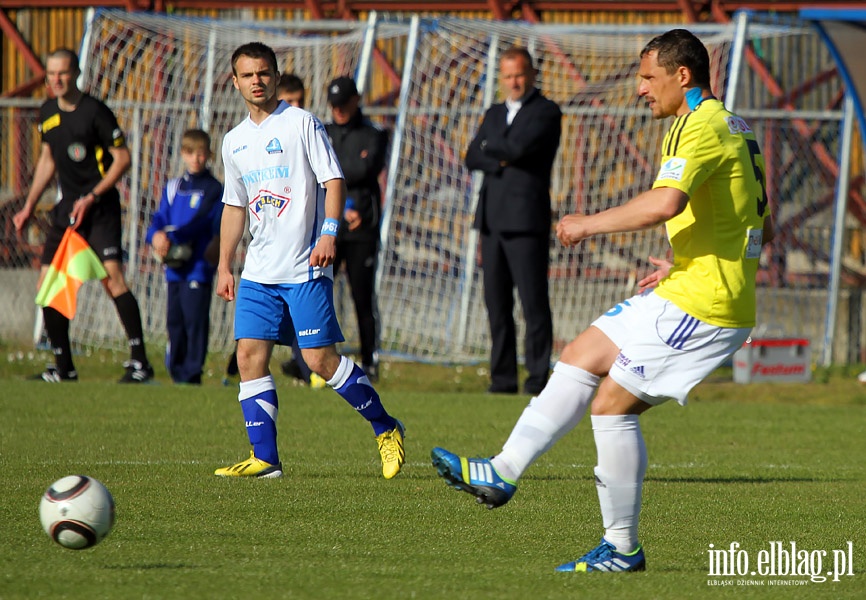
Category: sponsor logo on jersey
<point>673,168</point>
<point>49,123</point>
<point>239,149</point>
<point>274,147</point>
<point>263,174</point>
<point>754,242</point>
<point>267,198</point>
<point>77,152</point>
<point>306,332</point>
<point>737,125</point>
<point>195,200</point>
<point>117,136</point>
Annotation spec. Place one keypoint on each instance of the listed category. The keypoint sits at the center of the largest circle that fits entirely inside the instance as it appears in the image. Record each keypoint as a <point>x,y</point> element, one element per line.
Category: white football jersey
<point>276,169</point>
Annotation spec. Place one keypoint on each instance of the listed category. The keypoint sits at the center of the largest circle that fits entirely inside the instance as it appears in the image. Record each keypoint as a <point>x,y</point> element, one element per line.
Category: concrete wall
<point>17,309</point>
<point>789,313</point>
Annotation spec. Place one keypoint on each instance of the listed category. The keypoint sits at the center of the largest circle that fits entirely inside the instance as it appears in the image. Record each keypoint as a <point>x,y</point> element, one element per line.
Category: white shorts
<point>663,351</point>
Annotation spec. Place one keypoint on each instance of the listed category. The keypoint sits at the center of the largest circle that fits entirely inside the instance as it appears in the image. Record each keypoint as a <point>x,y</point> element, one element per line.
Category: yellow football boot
<point>251,467</point>
<point>391,450</point>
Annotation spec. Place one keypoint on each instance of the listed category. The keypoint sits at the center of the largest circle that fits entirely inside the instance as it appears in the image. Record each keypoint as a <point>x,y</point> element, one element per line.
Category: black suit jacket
<point>516,160</point>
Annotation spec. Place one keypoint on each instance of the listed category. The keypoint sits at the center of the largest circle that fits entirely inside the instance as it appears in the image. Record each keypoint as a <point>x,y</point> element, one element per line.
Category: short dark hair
<point>68,54</point>
<point>289,82</point>
<point>518,52</point>
<point>195,137</point>
<point>255,50</point>
<point>681,48</point>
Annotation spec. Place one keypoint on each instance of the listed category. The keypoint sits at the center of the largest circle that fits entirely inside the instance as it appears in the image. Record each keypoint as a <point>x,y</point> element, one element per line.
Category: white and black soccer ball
<point>77,512</point>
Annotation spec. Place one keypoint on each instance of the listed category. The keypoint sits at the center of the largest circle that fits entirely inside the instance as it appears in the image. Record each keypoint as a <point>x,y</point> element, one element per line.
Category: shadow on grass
<point>742,479</point>
<point>151,567</point>
<point>731,479</point>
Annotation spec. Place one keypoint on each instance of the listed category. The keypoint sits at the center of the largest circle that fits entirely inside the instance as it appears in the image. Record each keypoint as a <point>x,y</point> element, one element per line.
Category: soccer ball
<point>77,512</point>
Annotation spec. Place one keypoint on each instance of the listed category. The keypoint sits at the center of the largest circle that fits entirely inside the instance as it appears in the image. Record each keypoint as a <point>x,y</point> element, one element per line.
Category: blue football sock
<point>258,400</point>
<point>352,384</point>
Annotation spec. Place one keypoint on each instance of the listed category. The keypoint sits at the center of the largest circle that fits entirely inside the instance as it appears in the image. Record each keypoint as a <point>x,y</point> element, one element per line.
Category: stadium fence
<point>429,82</point>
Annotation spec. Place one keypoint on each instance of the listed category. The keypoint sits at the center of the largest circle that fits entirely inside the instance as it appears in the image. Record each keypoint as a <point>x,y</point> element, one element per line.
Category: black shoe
<point>372,372</point>
<point>136,372</point>
<point>232,367</point>
<point>532,389</point>
<point>291,368</point>
<point>52,375</point>
<point>498,389</point>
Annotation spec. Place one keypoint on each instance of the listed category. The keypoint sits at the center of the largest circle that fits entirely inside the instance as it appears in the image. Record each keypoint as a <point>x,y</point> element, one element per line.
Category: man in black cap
<point>361,148</point>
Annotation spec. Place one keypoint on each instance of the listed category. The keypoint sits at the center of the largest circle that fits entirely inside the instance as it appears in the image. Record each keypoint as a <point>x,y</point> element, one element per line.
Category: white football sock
<point>342,374</point>
<point>622,462</point>
<point>554,412</point>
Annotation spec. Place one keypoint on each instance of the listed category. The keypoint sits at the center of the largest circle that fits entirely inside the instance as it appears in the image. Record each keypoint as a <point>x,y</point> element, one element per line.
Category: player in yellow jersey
<point>689,316</point>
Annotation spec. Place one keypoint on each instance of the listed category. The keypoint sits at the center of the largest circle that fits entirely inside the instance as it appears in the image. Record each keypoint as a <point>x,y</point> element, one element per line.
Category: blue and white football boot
<point>474,476</point>
<point>605,558</point>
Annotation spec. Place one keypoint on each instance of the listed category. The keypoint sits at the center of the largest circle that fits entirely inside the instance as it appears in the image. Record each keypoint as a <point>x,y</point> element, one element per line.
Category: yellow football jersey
<point>713,156</point>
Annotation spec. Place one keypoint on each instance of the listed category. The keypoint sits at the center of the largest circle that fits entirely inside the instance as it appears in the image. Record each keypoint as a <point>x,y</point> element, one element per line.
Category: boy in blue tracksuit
<point>179,234</point>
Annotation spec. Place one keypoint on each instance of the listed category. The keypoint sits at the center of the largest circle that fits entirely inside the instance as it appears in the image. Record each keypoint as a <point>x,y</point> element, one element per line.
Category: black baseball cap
<point>341,90</point>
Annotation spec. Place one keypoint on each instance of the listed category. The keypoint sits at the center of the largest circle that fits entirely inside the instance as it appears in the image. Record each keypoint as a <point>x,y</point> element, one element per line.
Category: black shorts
<point>101,228</point>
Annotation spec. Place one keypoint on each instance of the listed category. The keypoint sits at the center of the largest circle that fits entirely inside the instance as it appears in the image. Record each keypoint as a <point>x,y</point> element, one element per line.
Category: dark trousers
<point>188,324</point>
<point>361,258</point>
<point>509,261</point>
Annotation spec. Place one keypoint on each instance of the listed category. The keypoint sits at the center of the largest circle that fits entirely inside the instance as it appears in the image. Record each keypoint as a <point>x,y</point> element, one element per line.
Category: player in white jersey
<point>280,169</point>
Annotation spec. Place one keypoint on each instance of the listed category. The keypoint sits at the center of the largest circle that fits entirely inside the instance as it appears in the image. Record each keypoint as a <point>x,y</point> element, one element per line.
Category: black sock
<point>57,328</point>
<point>130,316</point>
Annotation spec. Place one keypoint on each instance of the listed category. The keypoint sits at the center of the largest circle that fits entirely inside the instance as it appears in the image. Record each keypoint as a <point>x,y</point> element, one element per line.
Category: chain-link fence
<point>163,74</point>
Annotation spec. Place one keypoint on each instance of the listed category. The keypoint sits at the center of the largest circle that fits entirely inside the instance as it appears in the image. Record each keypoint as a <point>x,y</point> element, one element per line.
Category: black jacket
<point>516,160</point>
<point>361,148</point>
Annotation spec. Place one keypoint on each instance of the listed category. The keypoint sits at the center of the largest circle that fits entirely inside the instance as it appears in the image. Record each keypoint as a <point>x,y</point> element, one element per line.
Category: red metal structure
<point>803,140</point>
<point>533,11</point>
<point>506,9</point>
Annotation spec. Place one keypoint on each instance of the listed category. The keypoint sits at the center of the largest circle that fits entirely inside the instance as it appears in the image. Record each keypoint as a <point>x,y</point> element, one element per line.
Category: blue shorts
<point>279,312</point>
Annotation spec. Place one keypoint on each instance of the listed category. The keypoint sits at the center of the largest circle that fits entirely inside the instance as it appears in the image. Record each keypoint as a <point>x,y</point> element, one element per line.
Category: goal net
<point>430,82</point>
<point>163,75</point>
<point>431,290</point>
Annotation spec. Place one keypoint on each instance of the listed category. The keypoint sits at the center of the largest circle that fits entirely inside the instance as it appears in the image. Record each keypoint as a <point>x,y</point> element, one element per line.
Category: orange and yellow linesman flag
<point>74,263</point>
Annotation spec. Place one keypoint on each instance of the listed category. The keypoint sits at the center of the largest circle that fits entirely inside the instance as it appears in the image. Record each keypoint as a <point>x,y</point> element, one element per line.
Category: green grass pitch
<point>747,464</point>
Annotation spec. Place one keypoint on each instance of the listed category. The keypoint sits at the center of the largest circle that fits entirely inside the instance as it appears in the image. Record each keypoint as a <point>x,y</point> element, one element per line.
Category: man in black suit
<point>515,148</point>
